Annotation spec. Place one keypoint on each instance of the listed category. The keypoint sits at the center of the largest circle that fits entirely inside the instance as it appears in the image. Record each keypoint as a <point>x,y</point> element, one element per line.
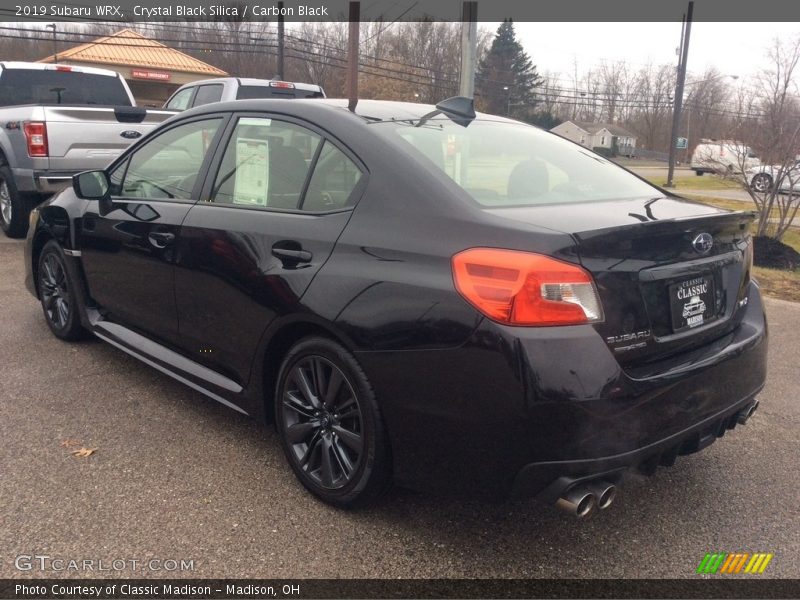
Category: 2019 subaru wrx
<point>416,294</point>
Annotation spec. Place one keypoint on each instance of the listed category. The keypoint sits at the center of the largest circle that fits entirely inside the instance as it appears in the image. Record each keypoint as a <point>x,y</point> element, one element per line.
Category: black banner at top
<point>389,11</point>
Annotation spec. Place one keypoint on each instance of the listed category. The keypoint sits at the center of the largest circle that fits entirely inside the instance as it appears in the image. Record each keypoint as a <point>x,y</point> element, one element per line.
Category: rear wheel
<point>330,425</point>
<point>13,206</point>
<point>761,182</point>
<point>57,294</point>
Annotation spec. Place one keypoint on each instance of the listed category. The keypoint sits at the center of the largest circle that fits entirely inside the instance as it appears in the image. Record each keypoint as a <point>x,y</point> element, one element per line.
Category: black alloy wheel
<point>329,424</point>
<point>56,293</point>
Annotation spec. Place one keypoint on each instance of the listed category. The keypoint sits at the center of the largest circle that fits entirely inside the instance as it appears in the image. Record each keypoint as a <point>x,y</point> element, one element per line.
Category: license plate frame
<point>692,302</point>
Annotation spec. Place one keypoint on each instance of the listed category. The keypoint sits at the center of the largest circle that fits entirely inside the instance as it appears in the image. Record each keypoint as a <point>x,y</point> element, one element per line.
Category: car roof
<point>32,66</point>
<point>368,110</point>
<point>253,82</point>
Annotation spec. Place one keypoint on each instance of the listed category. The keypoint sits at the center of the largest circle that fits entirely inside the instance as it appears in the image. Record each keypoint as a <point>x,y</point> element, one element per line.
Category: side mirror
<point>91,185</point>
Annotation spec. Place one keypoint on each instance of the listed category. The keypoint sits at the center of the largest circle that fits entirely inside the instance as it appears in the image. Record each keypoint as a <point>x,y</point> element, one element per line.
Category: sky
<point>733,48</point>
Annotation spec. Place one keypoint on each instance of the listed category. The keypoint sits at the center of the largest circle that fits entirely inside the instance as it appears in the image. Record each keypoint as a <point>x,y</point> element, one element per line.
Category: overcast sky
<point>733,48</point>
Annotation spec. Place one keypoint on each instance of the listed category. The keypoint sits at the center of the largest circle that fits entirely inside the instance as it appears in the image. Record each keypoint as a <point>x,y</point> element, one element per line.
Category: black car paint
<point>485,408</point>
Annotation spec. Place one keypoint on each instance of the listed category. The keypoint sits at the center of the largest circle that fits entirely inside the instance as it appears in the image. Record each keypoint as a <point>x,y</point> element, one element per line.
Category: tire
<point>337,446</point>
<point>761,182</point>
<point>14,208</point>
<point>699,173</point>
<point>57,294</point>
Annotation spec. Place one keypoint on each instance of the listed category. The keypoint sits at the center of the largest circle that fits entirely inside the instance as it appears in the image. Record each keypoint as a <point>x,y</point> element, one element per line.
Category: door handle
<point>291,252</point>
<point>161,239</point>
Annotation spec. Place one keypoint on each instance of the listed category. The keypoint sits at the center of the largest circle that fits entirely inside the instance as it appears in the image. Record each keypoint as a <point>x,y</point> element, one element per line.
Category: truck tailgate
<point>86,137</point>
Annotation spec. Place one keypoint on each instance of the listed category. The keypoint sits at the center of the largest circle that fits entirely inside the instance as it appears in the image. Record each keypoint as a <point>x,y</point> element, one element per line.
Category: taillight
<point>523,288</point>
<point>281,84</point>
<point>36,137</point>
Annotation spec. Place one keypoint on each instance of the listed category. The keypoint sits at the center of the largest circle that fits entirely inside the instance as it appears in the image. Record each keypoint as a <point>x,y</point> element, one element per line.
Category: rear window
<point>510,164</point>
<point>23,86</point>
<point>252,92</point>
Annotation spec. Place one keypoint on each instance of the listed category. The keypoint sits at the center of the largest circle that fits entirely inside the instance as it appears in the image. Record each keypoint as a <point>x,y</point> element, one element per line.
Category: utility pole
<point>55,44</point>
<point>469,43</point>
<point>678,104</point>
<point>352,54</point>
<point>280,41</point>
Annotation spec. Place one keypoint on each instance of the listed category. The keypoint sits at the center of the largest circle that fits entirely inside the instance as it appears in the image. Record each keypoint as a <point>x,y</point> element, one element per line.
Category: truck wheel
<point>14,208</point>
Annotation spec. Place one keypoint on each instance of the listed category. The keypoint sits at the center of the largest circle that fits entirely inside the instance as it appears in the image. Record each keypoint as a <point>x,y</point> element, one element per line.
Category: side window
<point>206,94</point>
<point>168,165</point>
<point>333,181</point>
<point>180,101</point>
<point>265,164</point>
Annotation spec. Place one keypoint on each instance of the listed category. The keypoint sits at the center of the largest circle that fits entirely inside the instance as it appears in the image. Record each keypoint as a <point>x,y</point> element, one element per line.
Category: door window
<point>180,101</point>
<point>167,166</point>
<point>265,165</point>
<point>333,181</point>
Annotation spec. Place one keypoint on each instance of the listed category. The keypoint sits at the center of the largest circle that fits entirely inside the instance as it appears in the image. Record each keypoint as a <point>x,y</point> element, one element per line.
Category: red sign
<point>155,75</point>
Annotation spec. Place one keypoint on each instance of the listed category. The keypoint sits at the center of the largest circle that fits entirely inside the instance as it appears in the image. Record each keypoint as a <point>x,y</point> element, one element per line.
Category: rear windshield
<point>251,92</point>
<point>23,86</point>
<point>511,164</point>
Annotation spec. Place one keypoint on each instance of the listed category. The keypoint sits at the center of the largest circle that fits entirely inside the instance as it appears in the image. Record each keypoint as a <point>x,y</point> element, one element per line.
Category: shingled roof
<point>130,49</point>
<point>595,127</point>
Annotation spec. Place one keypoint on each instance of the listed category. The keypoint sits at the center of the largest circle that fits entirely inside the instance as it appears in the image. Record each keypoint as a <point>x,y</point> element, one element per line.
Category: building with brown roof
<point>153,71</point>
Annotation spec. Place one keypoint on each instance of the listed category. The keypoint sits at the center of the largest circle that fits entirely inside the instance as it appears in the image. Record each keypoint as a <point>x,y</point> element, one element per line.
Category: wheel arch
<point>277,340</point>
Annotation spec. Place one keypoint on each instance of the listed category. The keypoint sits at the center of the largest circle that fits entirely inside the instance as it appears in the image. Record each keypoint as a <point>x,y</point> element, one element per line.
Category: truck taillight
<point>36,137</point>
<point>281,84</point>
<point>523,288</point>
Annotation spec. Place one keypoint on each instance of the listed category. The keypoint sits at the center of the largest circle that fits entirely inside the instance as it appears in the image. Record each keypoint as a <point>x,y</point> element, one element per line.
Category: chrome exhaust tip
<point>578,501</point>
<point>746,413</point>
<point>604,492</point>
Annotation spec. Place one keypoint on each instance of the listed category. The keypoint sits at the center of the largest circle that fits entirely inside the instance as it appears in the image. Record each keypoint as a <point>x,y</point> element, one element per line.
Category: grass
<point>706,182</point>
<point>778,284</point>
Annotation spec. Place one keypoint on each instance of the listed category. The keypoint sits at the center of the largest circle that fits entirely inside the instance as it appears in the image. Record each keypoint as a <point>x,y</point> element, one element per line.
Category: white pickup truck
<point>55,121</point>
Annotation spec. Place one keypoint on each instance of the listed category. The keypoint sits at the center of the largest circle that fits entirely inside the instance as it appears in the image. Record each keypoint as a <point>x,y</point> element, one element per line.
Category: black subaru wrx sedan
<point>414,294</point>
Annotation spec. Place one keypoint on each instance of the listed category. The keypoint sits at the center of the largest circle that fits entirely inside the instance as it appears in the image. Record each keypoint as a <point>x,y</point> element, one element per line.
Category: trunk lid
<point>663,289</point>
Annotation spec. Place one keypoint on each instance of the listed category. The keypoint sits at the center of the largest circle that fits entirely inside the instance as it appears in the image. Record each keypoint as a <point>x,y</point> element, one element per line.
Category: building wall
<point>573,132</point>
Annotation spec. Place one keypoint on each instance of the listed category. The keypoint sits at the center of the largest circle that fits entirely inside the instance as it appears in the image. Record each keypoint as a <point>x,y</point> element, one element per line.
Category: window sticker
<point>252,163</point>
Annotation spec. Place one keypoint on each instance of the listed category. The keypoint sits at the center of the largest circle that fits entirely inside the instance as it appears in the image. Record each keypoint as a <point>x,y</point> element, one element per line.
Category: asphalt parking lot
<point>177,476</point>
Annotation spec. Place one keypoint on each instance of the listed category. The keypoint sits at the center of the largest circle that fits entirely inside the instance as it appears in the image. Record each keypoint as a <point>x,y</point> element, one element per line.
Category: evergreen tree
<point>507,65</point>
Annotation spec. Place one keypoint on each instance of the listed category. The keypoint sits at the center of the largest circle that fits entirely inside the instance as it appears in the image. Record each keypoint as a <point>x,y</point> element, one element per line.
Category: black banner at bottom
<point>143,589</point>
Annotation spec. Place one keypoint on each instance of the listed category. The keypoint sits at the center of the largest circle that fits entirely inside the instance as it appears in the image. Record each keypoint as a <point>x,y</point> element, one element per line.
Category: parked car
<point>762,178</point>
<point>722,157</point>
<point>224,89</point>
<point>59,120</point>
<point>414,294</point>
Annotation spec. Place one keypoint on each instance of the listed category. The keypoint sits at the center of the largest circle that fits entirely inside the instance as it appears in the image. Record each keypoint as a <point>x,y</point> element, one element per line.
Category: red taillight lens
<point>282,84</point>
<point>523,288</point>
<point>36,137</point>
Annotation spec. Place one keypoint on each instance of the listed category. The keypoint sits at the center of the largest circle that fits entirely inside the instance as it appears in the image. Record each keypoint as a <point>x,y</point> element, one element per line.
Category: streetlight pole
<point>55,44</point>
<point>676,107</point>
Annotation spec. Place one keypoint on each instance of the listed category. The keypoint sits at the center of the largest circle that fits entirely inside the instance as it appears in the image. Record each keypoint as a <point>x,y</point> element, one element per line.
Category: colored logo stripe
<point>724,562</point>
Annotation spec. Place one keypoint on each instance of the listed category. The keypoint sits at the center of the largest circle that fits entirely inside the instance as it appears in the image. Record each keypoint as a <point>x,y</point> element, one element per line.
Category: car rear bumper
<point>42,182</point>
<point>516,409</point>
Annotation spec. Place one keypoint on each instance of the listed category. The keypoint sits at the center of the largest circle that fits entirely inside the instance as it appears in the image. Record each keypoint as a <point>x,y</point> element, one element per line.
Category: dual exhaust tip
<point>583,500</point>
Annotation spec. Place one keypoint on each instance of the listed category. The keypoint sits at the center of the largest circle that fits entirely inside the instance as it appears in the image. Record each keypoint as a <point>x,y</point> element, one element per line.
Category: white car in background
<point>762,178</point>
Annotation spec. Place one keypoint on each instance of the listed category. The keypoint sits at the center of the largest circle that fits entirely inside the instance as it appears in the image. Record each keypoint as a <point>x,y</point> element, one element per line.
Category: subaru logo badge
<point>703,243</point>
<point>130,134</point>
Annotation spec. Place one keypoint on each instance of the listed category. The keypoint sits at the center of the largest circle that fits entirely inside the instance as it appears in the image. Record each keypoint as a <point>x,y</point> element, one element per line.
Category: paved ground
<point>177,476</point>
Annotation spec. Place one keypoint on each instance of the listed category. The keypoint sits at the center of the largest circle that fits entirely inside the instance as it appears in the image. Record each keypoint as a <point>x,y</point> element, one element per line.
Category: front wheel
<point>57,294</point>
<point>13,207</point>
<point>761,182</point>
<point>330,426</point>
